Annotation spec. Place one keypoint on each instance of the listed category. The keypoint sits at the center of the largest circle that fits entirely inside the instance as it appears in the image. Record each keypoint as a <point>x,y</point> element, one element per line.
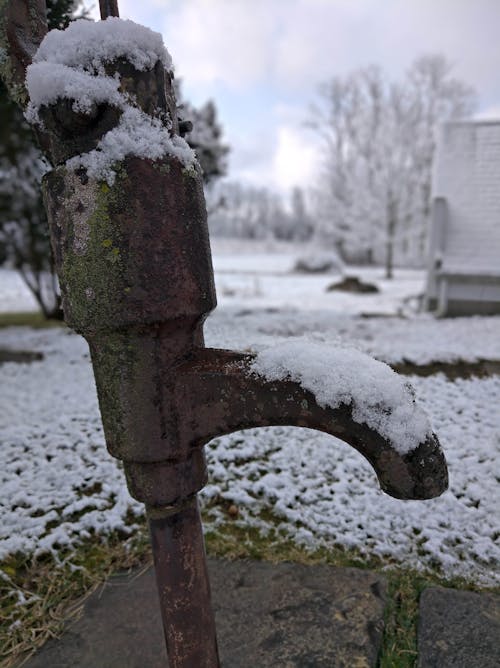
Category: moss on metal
<point>116,366</point>
<point>90,255</point>
<point>92,264</point>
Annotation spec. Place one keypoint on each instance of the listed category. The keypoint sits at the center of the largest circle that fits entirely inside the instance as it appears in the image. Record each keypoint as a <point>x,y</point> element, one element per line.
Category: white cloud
<point>253,55</point>
<point>296,159</point>
<point>488,114</point>
<point>212,40</point>
<point>319,38</point>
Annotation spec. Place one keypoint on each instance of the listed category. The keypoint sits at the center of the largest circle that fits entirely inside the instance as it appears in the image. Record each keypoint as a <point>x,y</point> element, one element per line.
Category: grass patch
<point>237,542</point>
<point>399,643</point>
<point>28,319</point>
<point>56,592</point>
<point>452,370</point>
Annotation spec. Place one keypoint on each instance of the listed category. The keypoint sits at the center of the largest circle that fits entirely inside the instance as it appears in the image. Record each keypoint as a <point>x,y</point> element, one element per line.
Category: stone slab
<point>458,629</point>
<point>283,615</point>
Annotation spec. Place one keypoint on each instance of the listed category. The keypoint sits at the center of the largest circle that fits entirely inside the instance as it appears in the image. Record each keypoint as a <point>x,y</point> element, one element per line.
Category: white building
<point>464,253</point>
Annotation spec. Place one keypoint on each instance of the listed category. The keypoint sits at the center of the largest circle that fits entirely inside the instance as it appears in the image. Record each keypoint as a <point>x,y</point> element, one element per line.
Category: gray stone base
<point>279,616</point>
<point>458,629</point>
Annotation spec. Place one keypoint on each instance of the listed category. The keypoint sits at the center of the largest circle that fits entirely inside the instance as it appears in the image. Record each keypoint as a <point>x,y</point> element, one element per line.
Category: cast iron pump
<point>135,270</point>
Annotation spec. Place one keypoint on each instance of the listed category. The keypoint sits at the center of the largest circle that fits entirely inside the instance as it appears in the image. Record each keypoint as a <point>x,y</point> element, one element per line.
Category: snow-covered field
<point>58,483</point>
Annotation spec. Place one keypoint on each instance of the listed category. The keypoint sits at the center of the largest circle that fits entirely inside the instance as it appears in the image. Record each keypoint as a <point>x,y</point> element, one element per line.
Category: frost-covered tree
<point>24,240</point>
<point>379,142</point>
<point>247,212</point>
<point>351,124</point>
<point>204,135</point>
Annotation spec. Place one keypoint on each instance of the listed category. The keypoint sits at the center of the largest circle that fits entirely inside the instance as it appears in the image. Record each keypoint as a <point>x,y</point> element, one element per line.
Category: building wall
<point>467,175</point>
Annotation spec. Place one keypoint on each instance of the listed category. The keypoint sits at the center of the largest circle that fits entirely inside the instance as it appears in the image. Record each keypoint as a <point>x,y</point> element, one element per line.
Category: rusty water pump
<point>136,276</point>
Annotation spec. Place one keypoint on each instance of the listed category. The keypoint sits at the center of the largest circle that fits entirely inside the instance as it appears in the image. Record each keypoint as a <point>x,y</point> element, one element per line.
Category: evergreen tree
<point>202,131</point>
<point>24,236</point>
<point>24,239</point>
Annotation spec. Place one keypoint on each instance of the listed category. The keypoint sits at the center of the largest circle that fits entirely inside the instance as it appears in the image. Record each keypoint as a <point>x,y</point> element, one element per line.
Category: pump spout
<point>223,394</point>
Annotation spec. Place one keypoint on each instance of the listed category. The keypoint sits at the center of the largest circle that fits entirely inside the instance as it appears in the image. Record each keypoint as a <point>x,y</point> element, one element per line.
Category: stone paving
<point>279,615</point>
<point>458,629</point>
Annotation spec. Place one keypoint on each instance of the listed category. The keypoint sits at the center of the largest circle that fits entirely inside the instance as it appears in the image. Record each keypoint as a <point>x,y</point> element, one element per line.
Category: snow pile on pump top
<point>88,45</point>
<point>70,64</point>
<point>380,398</point>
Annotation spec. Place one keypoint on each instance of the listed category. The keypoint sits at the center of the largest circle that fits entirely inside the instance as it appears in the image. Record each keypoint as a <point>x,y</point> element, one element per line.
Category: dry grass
<point>28,319</point>
<point>57,592</point>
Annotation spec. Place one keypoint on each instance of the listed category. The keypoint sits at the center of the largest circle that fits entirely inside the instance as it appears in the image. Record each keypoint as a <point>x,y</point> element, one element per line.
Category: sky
<point>262,61</point>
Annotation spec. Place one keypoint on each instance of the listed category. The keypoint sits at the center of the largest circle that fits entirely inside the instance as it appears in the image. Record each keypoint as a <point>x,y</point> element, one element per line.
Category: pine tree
<point>24,240</point>
<point>24,237</point>
<point>204,134</point>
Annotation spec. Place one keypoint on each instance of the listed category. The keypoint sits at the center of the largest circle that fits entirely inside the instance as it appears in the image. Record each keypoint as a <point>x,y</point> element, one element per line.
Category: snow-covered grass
<point>14,295</point>
<point>275,285</point>
<point>59,484</point>
<point>52,449</point>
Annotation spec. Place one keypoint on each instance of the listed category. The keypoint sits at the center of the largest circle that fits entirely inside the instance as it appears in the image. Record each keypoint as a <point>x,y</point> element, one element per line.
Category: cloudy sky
<point>262,62</point>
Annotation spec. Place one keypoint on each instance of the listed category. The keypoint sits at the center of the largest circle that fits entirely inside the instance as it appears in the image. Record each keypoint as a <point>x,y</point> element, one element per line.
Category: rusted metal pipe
<point>108,8</point>
<point>135,269</point>
<point>218,387</point>
<point>183,585</point>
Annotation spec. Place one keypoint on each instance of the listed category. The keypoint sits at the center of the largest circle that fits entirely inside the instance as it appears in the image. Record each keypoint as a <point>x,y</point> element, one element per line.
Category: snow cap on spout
<point>387,425</point>
<point>378,396</point>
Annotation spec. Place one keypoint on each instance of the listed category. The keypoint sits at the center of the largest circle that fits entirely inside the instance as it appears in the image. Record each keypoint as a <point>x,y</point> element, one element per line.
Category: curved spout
<point>221,392</point>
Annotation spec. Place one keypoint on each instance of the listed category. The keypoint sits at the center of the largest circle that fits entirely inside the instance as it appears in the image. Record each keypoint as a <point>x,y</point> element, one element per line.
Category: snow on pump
<point>130,240</point>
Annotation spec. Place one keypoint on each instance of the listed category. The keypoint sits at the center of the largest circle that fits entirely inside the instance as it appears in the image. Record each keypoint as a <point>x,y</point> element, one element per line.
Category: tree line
<point>378,139</point>
<point>24,235</point>
<point>246,212</point>
<point>372,196</point>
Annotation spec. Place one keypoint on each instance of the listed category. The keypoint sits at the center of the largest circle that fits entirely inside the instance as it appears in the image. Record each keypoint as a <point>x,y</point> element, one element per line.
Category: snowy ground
<point>59,484</point>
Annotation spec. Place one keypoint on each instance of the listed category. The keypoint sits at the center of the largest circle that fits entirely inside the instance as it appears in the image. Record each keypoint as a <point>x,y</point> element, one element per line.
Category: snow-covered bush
<point>319,262</point>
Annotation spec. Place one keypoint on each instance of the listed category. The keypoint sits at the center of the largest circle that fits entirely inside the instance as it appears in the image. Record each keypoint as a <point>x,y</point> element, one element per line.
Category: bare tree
<point>259,213</point>
<point>434,96</point>
<point>379,143</point>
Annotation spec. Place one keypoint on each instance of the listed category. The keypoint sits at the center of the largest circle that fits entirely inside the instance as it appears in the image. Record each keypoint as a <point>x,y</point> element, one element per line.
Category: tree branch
<point>23,25</point>
<point>108,8</point>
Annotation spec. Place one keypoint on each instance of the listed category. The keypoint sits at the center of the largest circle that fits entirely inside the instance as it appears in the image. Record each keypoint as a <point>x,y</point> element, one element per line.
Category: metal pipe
<point>183,585</point>
<point>138,285</point>
<point>108,8</point>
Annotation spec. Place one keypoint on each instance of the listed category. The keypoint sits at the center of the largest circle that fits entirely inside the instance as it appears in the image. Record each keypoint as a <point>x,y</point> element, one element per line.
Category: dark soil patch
<point>452,370</point>
<point>19,356</point>
<point>354,285</point>
<point>29,319</point>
